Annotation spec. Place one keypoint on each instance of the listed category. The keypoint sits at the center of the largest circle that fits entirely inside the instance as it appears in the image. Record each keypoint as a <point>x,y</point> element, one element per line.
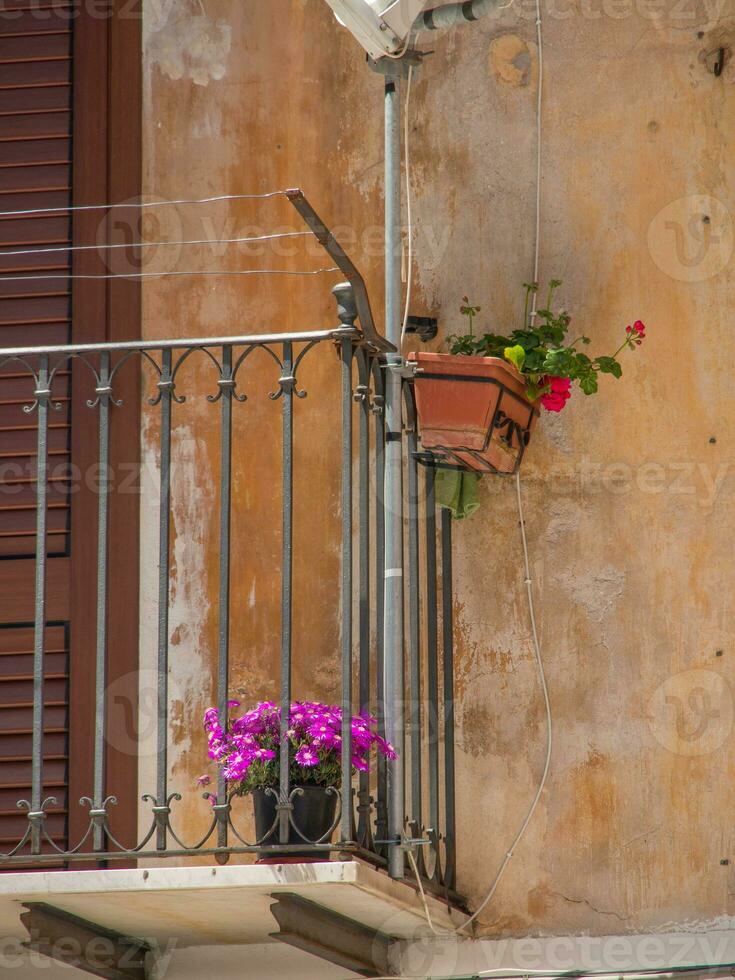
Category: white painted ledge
<point>210,906</point>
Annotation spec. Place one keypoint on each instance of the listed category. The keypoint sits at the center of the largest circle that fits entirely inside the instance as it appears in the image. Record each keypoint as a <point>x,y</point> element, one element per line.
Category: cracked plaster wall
<point>629,495</point>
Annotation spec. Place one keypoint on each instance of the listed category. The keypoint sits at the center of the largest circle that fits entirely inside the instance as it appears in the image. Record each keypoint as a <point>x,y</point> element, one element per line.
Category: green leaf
<point>461,344</point>
<point>527,339</point>
<point>516,355</point>
<point>588,383</point>
<point>608,365</point>
<point>559,363</point>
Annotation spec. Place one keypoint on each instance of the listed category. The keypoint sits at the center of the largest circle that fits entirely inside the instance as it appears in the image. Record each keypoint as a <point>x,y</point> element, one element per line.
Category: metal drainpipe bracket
<point>398,67</point>
<point>407,843</point>
<point>404,369</point>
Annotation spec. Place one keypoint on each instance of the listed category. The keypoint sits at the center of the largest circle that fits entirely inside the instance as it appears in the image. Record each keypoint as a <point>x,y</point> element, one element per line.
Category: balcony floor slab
<point>210,906</point>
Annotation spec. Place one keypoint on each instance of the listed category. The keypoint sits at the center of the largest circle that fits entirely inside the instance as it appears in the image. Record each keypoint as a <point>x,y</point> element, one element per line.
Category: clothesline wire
<point>192,272</point>
<point>196,241</point>
<point>143,204</point>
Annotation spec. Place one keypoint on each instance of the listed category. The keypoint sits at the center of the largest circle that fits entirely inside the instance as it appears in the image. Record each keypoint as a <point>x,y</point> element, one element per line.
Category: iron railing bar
<point>287,382</point>
<point>414,629</point>
<point>42,395</point>
<point>448,695</point>
<point>381,829</point>
<point>166,388</point>
<point>103,394</point>
<point>225,517</point>
<point>180,344</point>
<point>363,828</point>
<point>432,672</point>
<point>346,822</point>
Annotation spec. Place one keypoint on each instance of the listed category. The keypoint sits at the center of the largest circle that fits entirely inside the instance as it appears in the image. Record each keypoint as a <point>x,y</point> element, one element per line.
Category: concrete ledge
<point>209,906</point>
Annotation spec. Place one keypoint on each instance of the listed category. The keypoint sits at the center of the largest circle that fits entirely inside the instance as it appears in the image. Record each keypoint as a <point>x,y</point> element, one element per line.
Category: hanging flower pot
<point>473,411</point>
<point>478,404</point>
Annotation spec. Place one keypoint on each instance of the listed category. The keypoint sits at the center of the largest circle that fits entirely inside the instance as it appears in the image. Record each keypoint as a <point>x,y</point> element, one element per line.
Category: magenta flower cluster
<point>247,750</point>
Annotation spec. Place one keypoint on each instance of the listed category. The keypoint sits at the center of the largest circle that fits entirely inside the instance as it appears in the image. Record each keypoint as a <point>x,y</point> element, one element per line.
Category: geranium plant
<point>540,351</point>
<point>248,749</point>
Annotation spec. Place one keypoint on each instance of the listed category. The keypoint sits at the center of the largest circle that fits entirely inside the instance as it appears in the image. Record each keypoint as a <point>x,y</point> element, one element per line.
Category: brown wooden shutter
<point>35,173</point>
<point>70,96</point>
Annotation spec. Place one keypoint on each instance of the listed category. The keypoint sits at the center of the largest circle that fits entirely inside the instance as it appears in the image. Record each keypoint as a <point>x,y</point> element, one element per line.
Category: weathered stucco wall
<point>629,495</point>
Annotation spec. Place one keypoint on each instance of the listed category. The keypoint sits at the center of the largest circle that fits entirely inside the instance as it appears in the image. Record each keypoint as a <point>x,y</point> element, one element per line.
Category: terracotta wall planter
<point>473,411</point>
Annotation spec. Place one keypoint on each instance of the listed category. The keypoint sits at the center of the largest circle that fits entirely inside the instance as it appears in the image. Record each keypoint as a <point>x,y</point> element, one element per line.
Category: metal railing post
<point>103,393</point>
<point>227,389</point>
<point>287,385</point>
<point>43,398</point>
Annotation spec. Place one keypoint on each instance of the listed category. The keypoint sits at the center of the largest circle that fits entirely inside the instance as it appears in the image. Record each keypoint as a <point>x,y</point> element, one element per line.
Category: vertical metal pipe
<point>432,673</point>
<point>450,823</point>
<point>393,574</point>
<point>346,818</point>
<point>42,395</point>
<point>223,617</point>
<point>103,394</point>
<point>363,826</point>
<point>165,385</point>
<point>287,388</point>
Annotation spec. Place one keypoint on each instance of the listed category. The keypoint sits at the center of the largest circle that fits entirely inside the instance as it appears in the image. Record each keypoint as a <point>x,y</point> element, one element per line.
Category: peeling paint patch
<point>192,495</point>
<point>195,47</point>
<point>510,60</point>
<point>564,518</point>
<point>597,591</point>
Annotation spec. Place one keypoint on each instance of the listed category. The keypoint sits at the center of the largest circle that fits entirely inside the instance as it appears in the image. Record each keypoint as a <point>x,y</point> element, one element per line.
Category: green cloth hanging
<point>458,491</point>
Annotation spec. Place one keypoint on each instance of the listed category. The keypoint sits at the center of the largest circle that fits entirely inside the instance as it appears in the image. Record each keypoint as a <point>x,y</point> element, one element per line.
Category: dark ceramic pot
<point>314,810</point>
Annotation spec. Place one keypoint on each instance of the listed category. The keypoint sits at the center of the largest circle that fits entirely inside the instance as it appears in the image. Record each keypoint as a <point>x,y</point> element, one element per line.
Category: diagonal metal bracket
<point>85,945</point>
<point>346,266</point>
<point>332,937</point>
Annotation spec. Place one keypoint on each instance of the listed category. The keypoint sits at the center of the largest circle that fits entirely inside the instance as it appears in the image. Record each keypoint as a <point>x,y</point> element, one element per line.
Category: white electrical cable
<point>539,130</point>
<point>397,55</point>
<point>409,214</point>
<point>143,204</point>
<point>192,272</point>
<point>422,893</point>
<point>549,740</point>
<point>194,241</point>
<point>527,569</point>
<point>547,703</point>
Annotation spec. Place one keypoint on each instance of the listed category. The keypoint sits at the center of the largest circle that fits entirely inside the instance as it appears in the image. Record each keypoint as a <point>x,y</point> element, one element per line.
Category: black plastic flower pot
<point>314,811</point>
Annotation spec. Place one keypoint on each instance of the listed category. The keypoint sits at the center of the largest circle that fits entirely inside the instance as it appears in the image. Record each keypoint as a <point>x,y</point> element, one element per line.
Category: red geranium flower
<point>560,393</point>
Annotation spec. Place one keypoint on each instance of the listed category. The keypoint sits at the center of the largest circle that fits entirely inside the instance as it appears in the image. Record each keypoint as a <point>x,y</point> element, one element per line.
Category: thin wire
<point>501,973</point>
<point>193,272</point>
<point>532,614</point>
<point>427,913</point>
<point>409,215</point>
<point>539,131</point>
<point>549,741</point>
<point>196,241</point>
<point>145,204</point>
<point>398,54</point>
<point>547,703</point>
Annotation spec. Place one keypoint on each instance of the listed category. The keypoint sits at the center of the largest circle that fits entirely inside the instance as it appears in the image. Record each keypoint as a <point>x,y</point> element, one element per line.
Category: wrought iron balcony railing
<point>354,395</point>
